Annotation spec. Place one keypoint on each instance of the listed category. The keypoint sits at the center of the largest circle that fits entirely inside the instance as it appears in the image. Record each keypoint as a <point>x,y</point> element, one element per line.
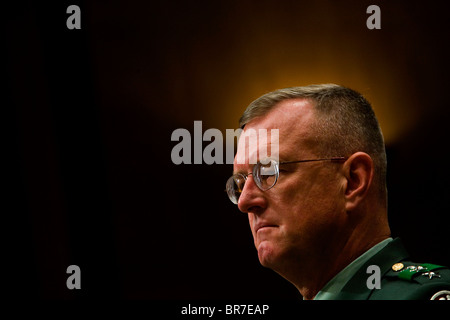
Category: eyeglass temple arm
<point>324,159</point>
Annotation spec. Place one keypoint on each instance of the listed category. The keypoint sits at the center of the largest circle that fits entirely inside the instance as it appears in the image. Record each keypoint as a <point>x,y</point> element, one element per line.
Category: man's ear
<point>358,171</point>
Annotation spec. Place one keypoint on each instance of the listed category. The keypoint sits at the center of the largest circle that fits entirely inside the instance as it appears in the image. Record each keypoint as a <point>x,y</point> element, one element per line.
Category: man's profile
<point>318,213</point>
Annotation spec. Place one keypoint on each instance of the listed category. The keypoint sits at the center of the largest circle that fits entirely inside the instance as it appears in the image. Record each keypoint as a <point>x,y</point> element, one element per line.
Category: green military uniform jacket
<point>400,278</point>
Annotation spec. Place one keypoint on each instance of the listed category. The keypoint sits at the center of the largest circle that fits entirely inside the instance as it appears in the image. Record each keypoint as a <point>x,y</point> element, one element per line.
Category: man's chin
<point>266,254</point>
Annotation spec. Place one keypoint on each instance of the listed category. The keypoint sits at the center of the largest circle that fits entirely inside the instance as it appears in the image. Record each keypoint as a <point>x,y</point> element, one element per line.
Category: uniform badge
<point>398,266</point>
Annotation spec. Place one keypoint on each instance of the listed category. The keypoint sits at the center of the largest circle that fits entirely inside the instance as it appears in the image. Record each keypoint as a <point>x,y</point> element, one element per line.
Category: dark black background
<point>92,182</point>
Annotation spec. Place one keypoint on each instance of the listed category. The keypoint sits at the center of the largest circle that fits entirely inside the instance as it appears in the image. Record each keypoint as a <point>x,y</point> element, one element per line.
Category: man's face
<point>297,217</point>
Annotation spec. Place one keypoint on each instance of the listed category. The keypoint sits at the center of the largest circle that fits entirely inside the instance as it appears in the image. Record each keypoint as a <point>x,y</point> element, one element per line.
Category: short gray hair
<point>345,122</point>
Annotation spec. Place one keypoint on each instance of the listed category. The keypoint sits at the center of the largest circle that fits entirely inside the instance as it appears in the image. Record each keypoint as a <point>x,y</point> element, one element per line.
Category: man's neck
<point>309,281</point>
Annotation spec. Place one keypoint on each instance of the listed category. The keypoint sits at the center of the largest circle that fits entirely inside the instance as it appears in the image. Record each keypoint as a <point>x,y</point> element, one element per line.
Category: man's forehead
<point>287,122</point>
<point>284,115</point>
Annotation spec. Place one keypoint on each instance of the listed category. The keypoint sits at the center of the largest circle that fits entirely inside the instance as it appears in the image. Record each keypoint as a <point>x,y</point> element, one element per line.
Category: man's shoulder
<point>407,280</point>
<point>400,278</point>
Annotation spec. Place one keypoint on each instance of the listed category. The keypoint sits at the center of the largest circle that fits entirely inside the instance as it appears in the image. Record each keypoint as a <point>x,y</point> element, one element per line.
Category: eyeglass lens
<point>264,174</point>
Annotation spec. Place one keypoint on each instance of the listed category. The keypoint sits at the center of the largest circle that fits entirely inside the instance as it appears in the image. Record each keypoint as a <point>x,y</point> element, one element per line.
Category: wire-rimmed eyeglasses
<point>265,174</point>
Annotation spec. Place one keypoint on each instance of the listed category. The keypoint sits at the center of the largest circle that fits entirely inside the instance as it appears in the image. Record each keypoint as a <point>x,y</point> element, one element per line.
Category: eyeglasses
<point>265,174</point>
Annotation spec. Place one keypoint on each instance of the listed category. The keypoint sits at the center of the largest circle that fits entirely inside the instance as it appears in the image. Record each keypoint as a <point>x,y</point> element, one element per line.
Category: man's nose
<point>252,199</point>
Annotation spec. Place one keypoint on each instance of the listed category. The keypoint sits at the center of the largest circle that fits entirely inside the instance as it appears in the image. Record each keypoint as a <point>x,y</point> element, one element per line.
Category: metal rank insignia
<point>416,268</point>
<point>431,274</point>
<point>425,269</point>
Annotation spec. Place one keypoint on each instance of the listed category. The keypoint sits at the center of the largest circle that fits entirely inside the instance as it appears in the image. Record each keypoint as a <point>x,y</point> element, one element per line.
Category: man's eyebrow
<point>242,170</point>
<point>247,168</point>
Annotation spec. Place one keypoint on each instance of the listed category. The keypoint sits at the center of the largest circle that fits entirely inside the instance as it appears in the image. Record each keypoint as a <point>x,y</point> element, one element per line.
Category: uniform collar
<point>356,287</point>
<point>335,285</point>
<point>350,283</point>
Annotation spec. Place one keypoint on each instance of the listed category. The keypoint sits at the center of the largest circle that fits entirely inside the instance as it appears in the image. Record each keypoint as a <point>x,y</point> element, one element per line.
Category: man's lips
<point>262,225</point>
